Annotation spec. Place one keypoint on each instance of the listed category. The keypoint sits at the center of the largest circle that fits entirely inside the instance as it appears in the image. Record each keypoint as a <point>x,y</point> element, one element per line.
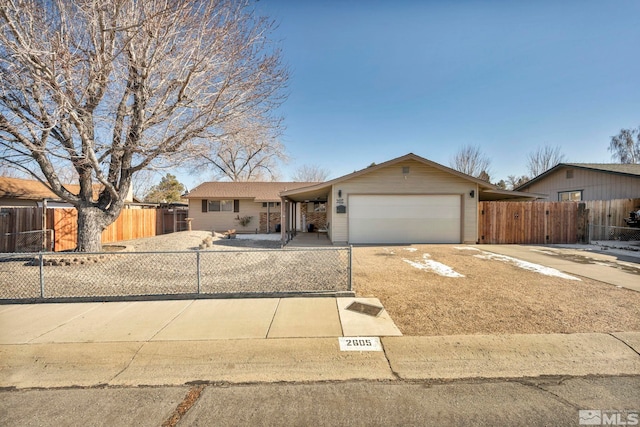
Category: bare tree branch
<point>310,173</point>
<point>543,159</point>
<point>625,147</point>
<point>470,160</point>
<point>112,87</point>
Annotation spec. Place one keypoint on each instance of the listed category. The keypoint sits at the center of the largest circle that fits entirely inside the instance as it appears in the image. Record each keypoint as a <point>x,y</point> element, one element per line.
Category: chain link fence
<point>27,241</point>
<point>607,232</point>
<point>118,275</point>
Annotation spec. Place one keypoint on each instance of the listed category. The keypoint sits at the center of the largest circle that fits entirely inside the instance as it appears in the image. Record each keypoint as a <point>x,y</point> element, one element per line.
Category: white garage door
<point>404,219</point>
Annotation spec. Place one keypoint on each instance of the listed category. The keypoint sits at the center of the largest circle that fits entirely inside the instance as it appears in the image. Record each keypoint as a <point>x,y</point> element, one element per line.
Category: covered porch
<point>306,216</point>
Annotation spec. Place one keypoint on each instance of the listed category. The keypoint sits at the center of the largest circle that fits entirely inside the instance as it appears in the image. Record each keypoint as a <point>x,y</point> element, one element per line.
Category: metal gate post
<point>350,269</point>
<point>41,266</point>
<point>198,269</point>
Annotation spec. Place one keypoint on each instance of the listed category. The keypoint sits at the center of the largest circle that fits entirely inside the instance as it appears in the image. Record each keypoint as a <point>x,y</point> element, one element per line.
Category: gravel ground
<point>227,266</point>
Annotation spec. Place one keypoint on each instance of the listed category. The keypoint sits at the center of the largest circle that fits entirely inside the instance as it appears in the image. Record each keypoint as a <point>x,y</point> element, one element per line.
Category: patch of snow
<point>409,249</point>
<point>525,265</point>
<point>433,266</point>
<point>467,248</point>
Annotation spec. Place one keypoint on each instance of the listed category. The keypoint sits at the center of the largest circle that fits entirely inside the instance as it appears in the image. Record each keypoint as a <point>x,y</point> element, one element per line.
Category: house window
<point>316,207</point>
<point>570,196</point>
<point>222,206</point>
<point>569,173</point>
<point>271,204</point>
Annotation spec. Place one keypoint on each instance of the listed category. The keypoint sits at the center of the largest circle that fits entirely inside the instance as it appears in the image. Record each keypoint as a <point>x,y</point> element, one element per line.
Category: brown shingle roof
<point>259,191</point>
<point>630,169</point>
<point>626,168</point>
<point>28,189</point>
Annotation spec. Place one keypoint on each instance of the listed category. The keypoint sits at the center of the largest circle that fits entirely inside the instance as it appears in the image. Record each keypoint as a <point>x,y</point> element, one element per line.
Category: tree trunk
<point>91,223</point>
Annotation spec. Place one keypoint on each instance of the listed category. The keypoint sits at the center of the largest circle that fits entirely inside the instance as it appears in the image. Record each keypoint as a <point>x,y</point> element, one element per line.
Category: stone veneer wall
<point>318,219</point>
<point>274,218</point>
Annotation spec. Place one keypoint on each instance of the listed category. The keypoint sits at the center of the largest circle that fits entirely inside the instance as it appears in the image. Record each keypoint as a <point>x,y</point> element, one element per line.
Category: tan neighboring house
<point>586,181</point>
<point>18,192</point>
<point>405,200</point>
<point>247,207</point>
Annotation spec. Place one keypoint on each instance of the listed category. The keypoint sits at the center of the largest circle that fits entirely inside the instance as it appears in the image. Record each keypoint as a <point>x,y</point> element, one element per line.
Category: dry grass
<point>492,298</point>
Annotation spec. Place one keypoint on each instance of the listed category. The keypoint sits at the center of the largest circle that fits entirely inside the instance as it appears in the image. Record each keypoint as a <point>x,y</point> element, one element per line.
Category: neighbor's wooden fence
<point>529,222</point>
<point>549,222</point>
<point>607,213</point>
<point>131,224</point>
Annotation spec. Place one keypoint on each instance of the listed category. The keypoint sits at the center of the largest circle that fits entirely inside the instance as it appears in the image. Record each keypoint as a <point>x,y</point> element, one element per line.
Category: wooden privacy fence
<point>131,224</point>
<point>530,222</point>
<point>606,213</point>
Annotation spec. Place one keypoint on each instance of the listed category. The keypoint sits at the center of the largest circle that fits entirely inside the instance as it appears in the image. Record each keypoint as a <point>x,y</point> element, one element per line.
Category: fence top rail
<point>194,251</point>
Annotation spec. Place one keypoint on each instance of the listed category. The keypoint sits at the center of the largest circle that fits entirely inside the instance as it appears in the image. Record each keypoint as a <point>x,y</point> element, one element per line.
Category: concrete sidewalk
<point>190,320</point>
<point>175,363</point>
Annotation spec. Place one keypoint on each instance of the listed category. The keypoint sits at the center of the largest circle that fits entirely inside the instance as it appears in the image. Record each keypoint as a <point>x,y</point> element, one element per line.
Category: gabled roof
<point>628,169</point>
<point>487,190</point>
<point>28,189</point>
<point>257,191</point>
<point>410,156</point>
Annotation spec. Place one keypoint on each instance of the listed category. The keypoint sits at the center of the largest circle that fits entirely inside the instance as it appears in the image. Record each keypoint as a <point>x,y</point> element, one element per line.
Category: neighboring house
<point>405,200</point>
<point>18,192</point>
<point>586,181</point>
<point>243,206</point>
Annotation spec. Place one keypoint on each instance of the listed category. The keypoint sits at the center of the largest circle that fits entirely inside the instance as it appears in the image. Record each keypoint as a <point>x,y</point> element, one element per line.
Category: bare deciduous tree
<point>514,181</point>
<point>310,173</point>
<point>625,147</point>
<point>543,159</point>
<point>470,160</point>
<point>245,151</point>
<point>111,87</point>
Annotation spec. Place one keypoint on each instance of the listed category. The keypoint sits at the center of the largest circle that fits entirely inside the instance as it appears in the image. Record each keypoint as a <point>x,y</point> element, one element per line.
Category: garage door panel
<point>404,219</point>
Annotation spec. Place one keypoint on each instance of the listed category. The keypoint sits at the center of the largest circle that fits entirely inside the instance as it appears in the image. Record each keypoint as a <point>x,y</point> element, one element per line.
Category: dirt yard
<point>492,297</point>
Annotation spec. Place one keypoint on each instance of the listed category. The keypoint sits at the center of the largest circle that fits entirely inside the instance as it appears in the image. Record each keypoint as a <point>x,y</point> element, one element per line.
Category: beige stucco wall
<point>421,179</point>
<point>223,221</point>
<point>594,185</point>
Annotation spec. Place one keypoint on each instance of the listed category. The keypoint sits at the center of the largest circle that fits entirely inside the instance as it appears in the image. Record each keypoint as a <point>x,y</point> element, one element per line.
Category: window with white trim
<point>221,206</point>
<point>570,196</point>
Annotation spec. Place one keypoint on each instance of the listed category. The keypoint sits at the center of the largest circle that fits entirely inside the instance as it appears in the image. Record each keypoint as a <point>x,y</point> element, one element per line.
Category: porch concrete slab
<point>63,364</point>
<point>306,318</point>
<point>509,356</point>
<point>117,321</point>
<point>23,323</point>
<point>356,324</point>
<point>244,361</point>
<point>222,319</point>
<point>632,339</point>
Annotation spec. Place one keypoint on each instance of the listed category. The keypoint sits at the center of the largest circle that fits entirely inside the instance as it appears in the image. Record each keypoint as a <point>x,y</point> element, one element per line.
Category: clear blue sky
<point>372,80</point>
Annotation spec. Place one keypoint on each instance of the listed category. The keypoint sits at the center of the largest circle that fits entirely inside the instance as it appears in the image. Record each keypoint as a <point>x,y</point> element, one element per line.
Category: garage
<point>385,219</point>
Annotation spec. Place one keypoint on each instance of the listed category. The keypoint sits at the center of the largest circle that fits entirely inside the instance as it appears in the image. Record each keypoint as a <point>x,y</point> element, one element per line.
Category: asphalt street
<point>552,401</point>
